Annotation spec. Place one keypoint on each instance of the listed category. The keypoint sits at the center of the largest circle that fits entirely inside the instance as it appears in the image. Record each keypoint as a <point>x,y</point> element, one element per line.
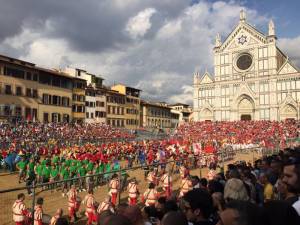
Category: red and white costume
<point>114,188</point>
<point>166,180</point>
<point>186,186</point>
<point>132,193</point>
<point>38,215</point>
<point>90,212</point>
<point>150,197</point>
<point>73,205</point>
<point>20,213</point>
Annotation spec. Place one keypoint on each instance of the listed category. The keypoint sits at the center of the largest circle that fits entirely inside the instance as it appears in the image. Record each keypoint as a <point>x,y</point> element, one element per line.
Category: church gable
<point>243,35</point>
<point>286,68</point>
<point>206,79</point>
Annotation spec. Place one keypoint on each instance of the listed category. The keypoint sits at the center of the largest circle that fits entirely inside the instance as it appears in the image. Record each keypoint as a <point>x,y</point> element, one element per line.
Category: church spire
<point>271,28</point>
<point>242,16</point>
<point>218,40</point>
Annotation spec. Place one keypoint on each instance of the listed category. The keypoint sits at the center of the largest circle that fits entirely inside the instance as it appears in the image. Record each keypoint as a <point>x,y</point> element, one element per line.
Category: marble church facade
<point>253,79</point>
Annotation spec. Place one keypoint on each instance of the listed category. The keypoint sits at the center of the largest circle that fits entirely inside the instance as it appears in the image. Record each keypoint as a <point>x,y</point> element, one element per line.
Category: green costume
<point>22,165</point>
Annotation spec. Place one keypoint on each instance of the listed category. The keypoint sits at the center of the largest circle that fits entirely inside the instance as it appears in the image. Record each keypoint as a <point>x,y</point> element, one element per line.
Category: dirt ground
<point>54,200</point>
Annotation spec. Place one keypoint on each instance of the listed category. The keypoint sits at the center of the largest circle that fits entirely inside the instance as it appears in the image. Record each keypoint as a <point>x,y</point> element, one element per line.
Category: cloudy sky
<point>153,45</point>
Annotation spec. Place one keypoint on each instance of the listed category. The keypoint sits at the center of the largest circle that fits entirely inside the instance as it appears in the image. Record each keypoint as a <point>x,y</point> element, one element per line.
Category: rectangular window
<point>293,84</point>
<point>288,85</point>
<point>8,90</point>
<point>54,100</point>
<point>297,84</point>
<point>18,111</point>
<point>35,77</point>
<point>28,114</point>
<point>45,99</point>
<point>34,93</point>
<point>87,115</point>
<point>19,91</point>
<point>7,110</point>
<point>264,114</point>
<point>263,52</point>
<point>28,92</point>
<point>28,76</point>
<point>263,64</point>
<point>92,115</point>
<point>65,101</point>
<point>46,117</point>
<point>34,113</point>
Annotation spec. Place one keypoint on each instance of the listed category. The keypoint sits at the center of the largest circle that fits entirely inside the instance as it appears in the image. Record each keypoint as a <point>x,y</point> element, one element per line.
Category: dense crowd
<point>42,132</point>
<point>246,194</point>
<point>265,193</point>
<point>270,134</point>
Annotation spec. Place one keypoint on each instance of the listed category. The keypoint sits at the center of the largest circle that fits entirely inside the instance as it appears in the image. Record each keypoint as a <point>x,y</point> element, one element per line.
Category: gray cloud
<point>91,34</point>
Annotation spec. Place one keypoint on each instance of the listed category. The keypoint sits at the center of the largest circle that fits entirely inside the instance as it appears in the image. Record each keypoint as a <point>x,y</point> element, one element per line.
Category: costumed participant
<point>186,186</point>
<point>133,192</point>
<point>90,211</point>
<point>166,180</point>
<point>38,212</point>
<point>150,196</point>
<point>20,214</point>
<point>73,204</point>
<point>114,186</point>
<point>152,176</point>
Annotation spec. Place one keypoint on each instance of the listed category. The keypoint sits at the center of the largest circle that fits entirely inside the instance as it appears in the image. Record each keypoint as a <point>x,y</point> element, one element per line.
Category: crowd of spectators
<point>266,193</point>
<point>270,134</point>
<point>43,132</point>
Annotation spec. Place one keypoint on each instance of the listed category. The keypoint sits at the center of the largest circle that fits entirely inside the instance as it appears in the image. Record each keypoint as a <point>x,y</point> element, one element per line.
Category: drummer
<point>73,205</point>
<point>20,213</point>
<point>38,212</point>
<point>57,215</point>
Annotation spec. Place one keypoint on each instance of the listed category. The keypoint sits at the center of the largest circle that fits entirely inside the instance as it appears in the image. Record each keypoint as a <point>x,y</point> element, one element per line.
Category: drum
<point>46,219</point>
